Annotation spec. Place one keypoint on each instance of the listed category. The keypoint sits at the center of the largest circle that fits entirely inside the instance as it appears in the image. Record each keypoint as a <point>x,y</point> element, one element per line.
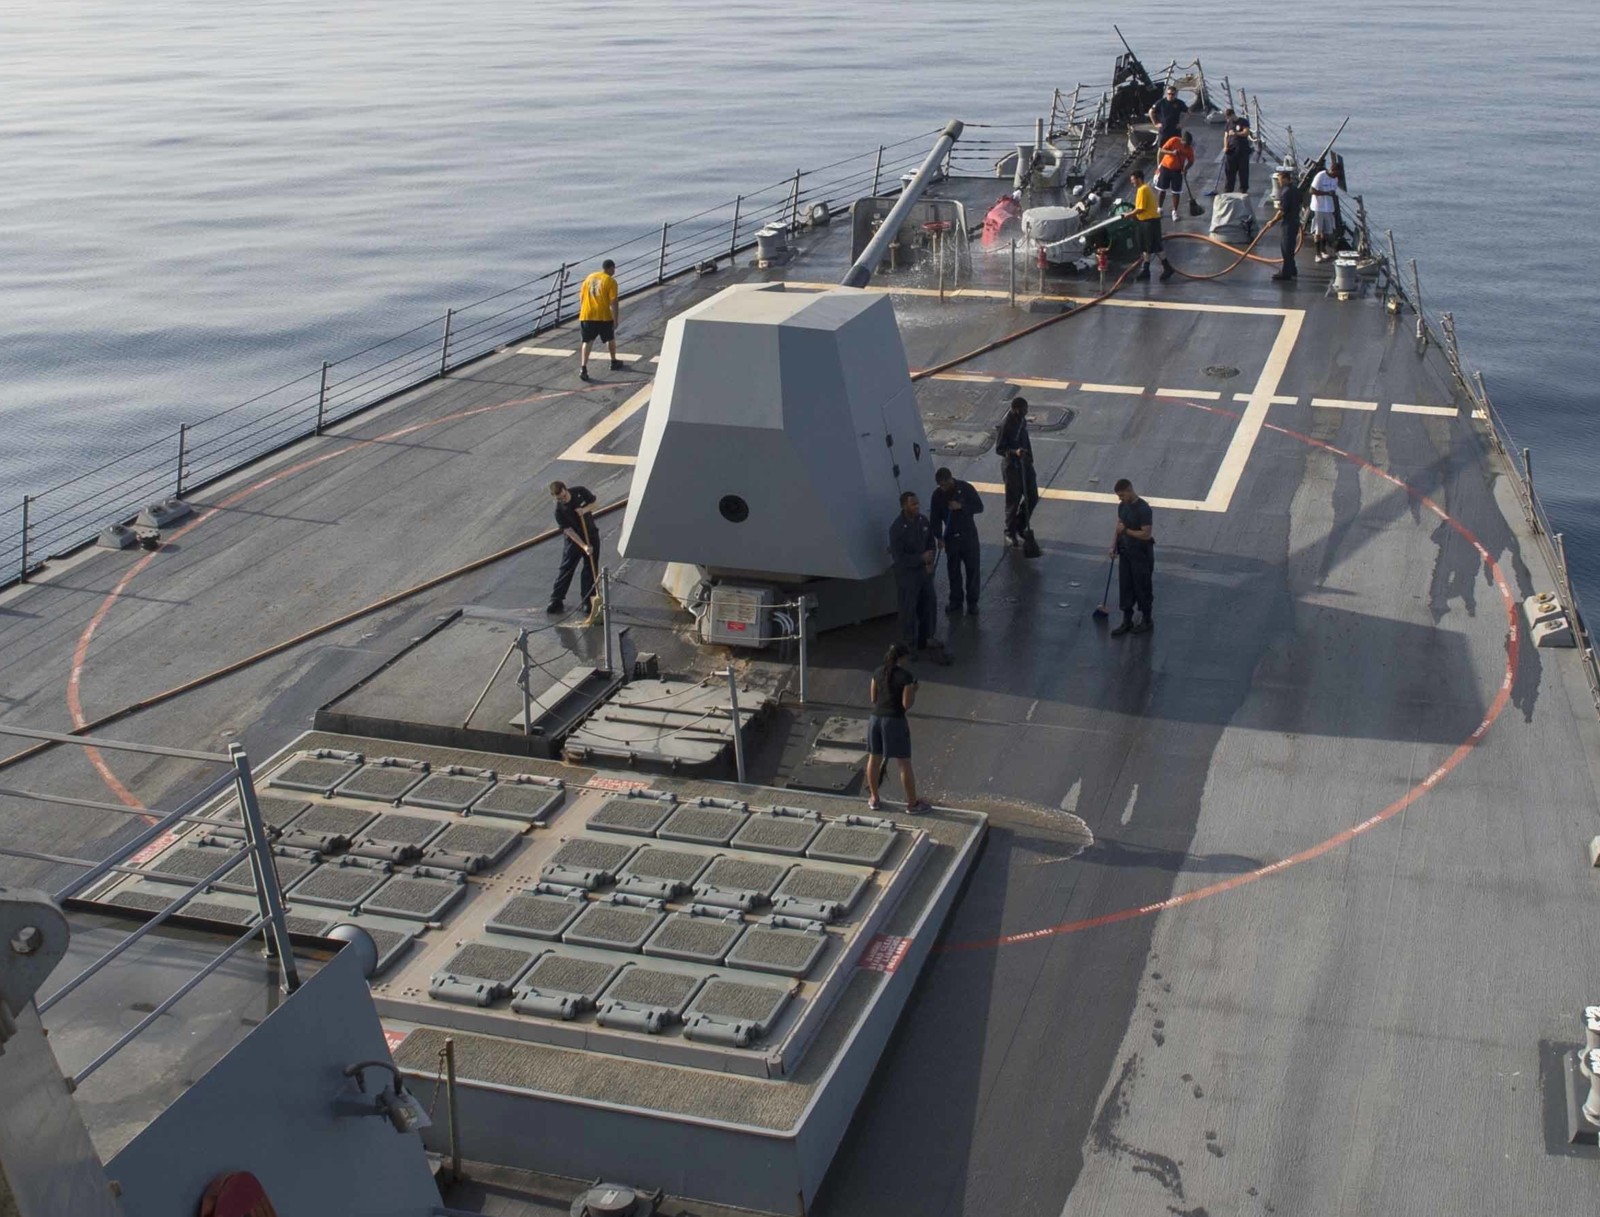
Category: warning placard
<point>884,953</point>
<point>619,784</point>
<point>394,1038</point>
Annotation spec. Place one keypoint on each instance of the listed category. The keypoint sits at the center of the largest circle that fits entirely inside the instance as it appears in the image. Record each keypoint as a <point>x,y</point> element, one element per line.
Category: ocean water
<point>204,200</point>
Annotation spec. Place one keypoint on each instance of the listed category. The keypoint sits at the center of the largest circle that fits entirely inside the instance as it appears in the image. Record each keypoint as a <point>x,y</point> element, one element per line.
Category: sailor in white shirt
<point>1324,232</point>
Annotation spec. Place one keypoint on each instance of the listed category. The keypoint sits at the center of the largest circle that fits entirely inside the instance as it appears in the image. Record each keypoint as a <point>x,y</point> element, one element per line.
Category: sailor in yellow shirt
<point>1147,224</point>
<point>598,315</point>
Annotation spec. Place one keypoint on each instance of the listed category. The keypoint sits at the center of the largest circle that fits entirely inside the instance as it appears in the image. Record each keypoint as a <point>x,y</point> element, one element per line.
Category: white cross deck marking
<point>1401,407</point>
<point>1218,497</point>
<point>1339,403</point>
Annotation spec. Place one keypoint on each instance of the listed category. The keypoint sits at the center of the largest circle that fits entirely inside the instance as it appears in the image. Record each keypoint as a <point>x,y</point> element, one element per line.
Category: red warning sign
<point>884,953</point>
<point>737,627</point>
<point>621,784</point>
<point>394,1039</point>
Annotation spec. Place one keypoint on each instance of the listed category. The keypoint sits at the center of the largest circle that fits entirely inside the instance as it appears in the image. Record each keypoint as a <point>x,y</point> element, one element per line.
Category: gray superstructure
<point>1281,908</point>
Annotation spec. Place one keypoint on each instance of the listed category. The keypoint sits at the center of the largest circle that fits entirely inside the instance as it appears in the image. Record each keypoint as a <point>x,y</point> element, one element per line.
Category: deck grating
<point>856,843</point>
<point>640,817</point>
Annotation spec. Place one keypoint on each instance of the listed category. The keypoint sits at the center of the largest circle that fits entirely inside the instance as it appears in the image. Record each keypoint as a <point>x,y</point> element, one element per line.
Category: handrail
<point>267,923</point>
<point>69,514</point>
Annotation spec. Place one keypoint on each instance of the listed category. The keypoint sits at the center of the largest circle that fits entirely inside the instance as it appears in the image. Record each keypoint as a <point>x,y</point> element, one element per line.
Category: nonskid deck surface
<point>1230,1002</point>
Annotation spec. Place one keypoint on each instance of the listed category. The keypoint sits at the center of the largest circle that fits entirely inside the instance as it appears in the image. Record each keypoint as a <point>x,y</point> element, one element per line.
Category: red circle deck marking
<point>80,652</point>
<point>1501,699</point>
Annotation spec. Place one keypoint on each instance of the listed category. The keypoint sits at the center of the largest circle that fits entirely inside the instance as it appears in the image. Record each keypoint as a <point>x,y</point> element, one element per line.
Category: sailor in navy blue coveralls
<point>954,505</point>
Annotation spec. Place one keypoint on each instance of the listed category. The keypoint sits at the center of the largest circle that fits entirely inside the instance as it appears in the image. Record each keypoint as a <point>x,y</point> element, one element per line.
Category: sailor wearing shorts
<point>892,691</point>
<point>1147,226</point>
<point>1324,226</point>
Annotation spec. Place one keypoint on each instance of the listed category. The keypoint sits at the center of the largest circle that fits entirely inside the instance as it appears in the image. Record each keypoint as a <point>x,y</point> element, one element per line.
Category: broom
<point>1102,611</point>
<point>1194,206</point>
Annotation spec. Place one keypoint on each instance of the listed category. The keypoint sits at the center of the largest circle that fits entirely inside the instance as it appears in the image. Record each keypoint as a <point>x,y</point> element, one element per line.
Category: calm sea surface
<point>203,200</point>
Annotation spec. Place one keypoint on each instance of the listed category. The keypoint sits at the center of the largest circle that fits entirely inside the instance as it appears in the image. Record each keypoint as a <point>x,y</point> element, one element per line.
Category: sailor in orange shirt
<point>598,316</point>
<point>1147,225</point>
<point>1177,154</point>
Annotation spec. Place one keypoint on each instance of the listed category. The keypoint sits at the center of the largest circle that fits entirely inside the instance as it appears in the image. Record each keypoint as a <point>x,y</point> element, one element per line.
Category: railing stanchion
<point>1533,499</point>
<point>877,171</point>
<point>794,203</point>
<point>803,605</point>
<point>183,451</point>
<point>661,262</point>
<point>266,872</point>
<point>322,397</point>
<point>561,293</point>
<point>23,575</point>
<point>1416,289</point>
<point>444,348</point>
<point>524,680</point>
<point>738,733</point>
<point>605,612</point>
<point>733,241</point>
<point>450,1106</point>
<point>1013,272</point>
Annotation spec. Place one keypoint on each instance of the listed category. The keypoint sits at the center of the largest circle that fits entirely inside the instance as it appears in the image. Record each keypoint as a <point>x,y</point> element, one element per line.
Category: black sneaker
<point>618,366</point>
<point>1166,271</point>
<point>554,607</point>
<point>1144,627</point>
<point>1144,273</point>
<point>1011,538</point>
<point>1280,277</point>
<point>1122,629</point>
<point>583,373</point>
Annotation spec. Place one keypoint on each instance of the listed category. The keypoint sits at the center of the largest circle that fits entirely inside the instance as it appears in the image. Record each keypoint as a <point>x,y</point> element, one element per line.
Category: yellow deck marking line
<point>1339,403</point>
<point>1197,394</point>
<point>1401,407</point>
<point>971,377</point>
<point>977,293</point>
<point>1035,382</point>
<point>1277,399</point>
<point>1255,412</point>
<point>582,448</point>
<point>1134,390</point>
<point>1095,496</point>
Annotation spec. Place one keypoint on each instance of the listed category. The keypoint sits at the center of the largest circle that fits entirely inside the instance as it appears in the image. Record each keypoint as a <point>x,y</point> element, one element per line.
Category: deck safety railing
<point>58,519</point>
<point>1405,286</point>
<point>156,830</point>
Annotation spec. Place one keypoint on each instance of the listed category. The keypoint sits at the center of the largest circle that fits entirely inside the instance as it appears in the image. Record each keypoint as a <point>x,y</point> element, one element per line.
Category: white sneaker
<point>1174,215</point>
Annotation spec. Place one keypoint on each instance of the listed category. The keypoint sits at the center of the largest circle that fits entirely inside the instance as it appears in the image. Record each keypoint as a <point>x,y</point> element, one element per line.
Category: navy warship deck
<point>1324,947</point>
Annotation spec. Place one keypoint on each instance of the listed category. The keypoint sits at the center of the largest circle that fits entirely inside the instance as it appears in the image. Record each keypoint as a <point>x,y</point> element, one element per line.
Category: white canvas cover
<point>1233,213</point>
